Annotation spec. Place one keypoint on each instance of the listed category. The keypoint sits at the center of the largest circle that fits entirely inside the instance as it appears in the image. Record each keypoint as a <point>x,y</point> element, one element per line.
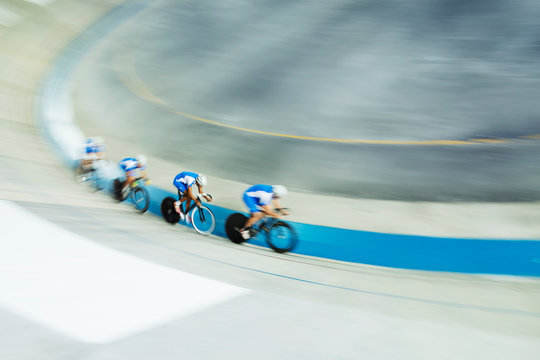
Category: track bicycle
<point>89,177</point>
<point>280,236</point>
<point>136,194</point>
<point>200,216</point>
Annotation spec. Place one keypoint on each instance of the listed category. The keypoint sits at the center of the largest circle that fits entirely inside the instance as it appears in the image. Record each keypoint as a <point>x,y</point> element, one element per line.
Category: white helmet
<point>201,180</point>
<point>141,159</point>
<point>279,190</point>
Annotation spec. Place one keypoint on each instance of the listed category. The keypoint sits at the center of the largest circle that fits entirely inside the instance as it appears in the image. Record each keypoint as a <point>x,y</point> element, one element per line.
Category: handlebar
<point>201,196</point>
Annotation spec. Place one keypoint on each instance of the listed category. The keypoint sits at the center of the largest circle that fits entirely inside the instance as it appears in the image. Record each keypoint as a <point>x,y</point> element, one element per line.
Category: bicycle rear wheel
<point>281,237</point>
<point>234,222</point>
<point>117,190</point>
<point>167,210</point>
<point>203,220</point>
<point>140,199</point>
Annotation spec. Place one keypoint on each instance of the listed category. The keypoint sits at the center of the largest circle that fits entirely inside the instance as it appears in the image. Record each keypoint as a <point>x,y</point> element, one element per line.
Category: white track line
<point>87,291</point>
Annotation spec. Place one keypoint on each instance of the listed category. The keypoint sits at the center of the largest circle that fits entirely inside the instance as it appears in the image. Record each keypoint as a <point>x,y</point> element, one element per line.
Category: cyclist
<point>184,182</point>
<point>258,199</point>
<point>134,168</point>
<point>94,150</point>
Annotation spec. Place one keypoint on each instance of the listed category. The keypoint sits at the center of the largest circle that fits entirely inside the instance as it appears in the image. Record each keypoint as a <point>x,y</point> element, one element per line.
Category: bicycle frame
<point>191,207</point>
<point>279,235</point>
<point>263,225</point>
<point>134,185</point>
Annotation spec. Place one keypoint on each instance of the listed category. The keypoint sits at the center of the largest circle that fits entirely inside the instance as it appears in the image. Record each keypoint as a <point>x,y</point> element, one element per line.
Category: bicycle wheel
<point>203,220</point>
<point>140,199</point>
<point>99,183</point>
<point>234,222</point>
<point>167,210</point>
<point>117,190</point>
<point>87,178</point>
<point>281,237</point>
<point>79,173</point>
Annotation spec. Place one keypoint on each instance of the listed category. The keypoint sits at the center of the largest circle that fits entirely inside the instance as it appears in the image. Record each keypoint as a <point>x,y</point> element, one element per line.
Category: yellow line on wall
<point>350,141</point>
<point>124,64</point>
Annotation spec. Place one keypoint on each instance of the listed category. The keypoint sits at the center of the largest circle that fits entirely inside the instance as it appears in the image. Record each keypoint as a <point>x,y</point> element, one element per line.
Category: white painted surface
<point>8,18</point>
<point>87,291</point>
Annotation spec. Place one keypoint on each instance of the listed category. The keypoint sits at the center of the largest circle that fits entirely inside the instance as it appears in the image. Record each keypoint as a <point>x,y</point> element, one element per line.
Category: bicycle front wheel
<point>203,220</point>
<point>281,237</point>
<point>140,199</point>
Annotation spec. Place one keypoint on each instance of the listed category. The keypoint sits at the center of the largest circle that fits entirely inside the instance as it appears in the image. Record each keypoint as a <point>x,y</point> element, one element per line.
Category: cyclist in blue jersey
<point>134,168</point>
<point>94,150</point>
<point>259,200</point>
<point>184,182</point>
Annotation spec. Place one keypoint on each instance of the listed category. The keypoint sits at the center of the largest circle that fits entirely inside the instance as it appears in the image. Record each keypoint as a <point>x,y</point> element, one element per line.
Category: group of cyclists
<point>261,200</point>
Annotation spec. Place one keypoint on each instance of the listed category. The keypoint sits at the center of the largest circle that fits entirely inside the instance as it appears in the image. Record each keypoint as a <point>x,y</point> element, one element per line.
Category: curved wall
<point>513,257</point>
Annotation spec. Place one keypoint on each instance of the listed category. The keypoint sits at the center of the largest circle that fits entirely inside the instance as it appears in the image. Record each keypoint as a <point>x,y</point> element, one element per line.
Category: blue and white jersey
<point>91,147</point>
<point>128,164</point>
<point>89,150</point>
<point>92,151</point>
<point>261,194</point>
<point>184,180</point>
<point>131,167</point>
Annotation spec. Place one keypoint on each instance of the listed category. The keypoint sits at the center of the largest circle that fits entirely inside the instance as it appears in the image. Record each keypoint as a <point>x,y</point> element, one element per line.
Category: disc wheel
<point>117,190</point>
<point>167,210</point>
<point>234,222</point>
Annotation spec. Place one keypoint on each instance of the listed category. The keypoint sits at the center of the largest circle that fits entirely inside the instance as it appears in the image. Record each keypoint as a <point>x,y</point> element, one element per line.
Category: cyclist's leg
<point>246,231</point>
<point>128,181</point>
<point>187,199</point>
<point>178,204</point>
<point>181,193</point>
<point>253,219</point>
<point>255,215</point>
<point>86,162</point>
<point>92,161</point>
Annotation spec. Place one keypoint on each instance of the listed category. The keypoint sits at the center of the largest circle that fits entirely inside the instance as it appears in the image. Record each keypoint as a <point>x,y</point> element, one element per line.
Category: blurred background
<point>417,100</point>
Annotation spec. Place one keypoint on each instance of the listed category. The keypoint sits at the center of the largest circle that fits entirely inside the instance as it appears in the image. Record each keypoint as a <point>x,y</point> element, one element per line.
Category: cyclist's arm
<point>143,174</point>
<point>100,155</point>
<point>130,174</point>
<point>191,196</point>
<point>278,207</point>
<point>268,210</point>
<point>208,198</point>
